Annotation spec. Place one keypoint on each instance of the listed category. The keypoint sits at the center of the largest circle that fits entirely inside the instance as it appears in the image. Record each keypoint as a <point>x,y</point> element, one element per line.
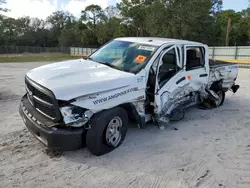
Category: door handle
<point>182,79</point>
<point>203,75</point>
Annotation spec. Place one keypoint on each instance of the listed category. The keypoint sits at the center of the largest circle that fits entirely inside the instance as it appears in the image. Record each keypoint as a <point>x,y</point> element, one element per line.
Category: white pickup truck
<point>90,101</point>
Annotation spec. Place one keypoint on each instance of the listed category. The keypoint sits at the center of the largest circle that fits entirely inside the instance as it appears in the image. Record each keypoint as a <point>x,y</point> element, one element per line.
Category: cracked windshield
<point>124,55</point>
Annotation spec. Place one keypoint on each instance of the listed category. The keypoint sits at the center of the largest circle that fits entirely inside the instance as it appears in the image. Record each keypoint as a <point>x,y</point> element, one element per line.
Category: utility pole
<point>228,30</point>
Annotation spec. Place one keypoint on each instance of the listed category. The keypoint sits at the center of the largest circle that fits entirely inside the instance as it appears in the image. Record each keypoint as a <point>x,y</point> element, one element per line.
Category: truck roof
<point>156,41</point>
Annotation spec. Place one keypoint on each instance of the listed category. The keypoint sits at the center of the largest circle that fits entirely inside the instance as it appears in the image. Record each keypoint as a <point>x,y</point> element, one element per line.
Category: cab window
<point>195,58</point>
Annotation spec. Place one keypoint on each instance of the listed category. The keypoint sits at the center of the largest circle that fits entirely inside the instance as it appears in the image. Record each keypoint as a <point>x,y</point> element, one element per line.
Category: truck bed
<point>220,70</point>
<point>216,63</point>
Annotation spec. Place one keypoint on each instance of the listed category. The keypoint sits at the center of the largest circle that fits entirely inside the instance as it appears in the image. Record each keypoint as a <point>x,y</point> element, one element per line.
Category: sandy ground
<point>208,148</point>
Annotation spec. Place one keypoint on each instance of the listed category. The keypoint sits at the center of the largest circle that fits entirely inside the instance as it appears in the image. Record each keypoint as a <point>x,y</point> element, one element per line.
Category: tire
<point>221,95</point>
<point>96,139</point>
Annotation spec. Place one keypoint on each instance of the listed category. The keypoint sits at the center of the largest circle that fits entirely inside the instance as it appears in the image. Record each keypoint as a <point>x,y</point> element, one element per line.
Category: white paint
<point>97,87</point>
<point>75,78</point>
<point>216,140</point>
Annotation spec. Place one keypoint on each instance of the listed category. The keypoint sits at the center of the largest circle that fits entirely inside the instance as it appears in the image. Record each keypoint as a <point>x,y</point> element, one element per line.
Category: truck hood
<point>75,78</point>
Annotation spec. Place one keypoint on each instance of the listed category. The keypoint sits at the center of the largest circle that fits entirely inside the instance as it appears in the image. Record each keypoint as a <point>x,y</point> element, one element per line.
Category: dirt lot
<point>209,148</point>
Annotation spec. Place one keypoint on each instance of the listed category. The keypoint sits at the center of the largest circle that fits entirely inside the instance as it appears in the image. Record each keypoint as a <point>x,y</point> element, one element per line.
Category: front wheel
<point>108,131</point>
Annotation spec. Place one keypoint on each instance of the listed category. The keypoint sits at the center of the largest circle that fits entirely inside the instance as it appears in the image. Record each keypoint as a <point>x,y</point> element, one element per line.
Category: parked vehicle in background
<point>73,103</point>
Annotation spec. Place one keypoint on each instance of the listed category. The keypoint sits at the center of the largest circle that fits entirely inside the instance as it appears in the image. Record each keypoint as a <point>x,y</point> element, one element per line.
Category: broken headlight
<point>75,116</point>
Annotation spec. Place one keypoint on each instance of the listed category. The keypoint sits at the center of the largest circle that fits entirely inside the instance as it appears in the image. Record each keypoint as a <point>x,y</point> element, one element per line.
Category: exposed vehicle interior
<point>168,68</point>
<point>166,71</point>
<point>195,58</point>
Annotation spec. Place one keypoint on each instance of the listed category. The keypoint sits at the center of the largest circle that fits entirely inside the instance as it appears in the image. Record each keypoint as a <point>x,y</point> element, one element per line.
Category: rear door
<point>196,65</point>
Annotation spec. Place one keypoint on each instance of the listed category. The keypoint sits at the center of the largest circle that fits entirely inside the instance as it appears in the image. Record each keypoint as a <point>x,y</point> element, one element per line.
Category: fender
<point>134,114</point>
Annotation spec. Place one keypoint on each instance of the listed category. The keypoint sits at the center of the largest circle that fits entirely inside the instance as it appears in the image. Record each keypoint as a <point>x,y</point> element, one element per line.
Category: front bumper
<point>53,137</point>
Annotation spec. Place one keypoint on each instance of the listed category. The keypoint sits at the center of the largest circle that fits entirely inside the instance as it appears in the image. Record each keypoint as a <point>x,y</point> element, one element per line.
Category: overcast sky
<point>43,8</point>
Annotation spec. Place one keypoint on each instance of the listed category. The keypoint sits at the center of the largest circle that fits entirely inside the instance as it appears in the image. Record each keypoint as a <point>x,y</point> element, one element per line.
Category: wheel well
<point>131,111</point>
<point>216,86</point>
<point>134,115</point>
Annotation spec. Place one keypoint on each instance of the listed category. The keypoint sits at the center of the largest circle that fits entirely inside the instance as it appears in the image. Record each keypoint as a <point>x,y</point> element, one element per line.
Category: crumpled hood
<point>75,78</point>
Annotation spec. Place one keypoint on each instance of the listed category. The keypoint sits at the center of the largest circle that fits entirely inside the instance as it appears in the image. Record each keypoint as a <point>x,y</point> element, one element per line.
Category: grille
<point>41,99</point>
<point>46,110</point>
<point>43,96</point>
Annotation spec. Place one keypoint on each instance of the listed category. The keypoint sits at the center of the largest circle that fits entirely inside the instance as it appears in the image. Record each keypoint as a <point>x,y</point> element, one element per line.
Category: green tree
<point>9,30</point>
<point>216,6</point>
<point>112,11</point>
<point>31,31</point>
<point>110,26</point>
<point>197,20</point>
<point>245,26</point>
<point>235,31</point>
<point>1,8</point>
<point>134,13</point>
<point>92,15</point>
<point>59,21</point>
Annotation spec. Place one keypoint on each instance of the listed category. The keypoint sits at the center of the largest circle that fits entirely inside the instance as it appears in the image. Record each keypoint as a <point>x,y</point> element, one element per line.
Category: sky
<point>237,5</point>
<point>43,8</point>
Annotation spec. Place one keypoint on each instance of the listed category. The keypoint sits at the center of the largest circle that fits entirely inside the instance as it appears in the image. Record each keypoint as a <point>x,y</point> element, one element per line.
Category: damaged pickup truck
<point>90,101</point>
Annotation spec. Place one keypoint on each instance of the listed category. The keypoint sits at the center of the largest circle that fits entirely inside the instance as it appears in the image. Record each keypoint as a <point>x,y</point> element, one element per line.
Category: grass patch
<point>34,59</point>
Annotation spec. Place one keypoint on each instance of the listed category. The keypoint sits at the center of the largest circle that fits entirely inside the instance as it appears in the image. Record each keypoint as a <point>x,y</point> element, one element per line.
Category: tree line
<point>196,20</point>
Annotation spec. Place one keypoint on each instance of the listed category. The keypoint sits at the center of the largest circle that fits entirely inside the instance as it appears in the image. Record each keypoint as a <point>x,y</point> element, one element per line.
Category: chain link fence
<point>241,53</point>
<point>9,51</point>
<point>228,53</point>
<point>76,51</point>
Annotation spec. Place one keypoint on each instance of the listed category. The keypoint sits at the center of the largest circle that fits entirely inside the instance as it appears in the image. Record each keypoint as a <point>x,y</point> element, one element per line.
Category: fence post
<point>213,52</point>
<point>6,47</point>
<point>236,52</point>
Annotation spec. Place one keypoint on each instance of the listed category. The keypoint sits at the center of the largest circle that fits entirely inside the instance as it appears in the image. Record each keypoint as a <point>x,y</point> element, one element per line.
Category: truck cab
<point>90,101</point>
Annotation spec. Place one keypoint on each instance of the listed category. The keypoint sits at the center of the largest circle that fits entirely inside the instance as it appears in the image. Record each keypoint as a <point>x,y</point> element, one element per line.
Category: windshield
<point>124,55</point>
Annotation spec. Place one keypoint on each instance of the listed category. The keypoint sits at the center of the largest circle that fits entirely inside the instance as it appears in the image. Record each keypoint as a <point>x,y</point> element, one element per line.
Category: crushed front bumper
<point>53,137</point>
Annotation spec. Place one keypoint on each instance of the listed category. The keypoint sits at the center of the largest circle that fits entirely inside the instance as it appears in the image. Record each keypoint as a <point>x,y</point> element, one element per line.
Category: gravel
<point>208,148</point>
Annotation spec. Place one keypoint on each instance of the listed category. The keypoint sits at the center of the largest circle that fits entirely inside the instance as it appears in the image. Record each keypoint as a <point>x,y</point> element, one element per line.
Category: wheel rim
<point>113,132</point>
<point>218,102</point>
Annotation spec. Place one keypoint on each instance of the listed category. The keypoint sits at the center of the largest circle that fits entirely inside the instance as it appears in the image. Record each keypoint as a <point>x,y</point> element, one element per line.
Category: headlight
<point>75,116</point>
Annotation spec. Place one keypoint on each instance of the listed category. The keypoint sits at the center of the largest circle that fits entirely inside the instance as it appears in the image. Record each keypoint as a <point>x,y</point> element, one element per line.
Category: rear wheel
<point>108,131</point>
<point>221,98</point>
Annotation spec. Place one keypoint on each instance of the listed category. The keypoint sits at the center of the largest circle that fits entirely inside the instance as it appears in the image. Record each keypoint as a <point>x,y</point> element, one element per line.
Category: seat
<point>192,60</point>
<point>168,68</point>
